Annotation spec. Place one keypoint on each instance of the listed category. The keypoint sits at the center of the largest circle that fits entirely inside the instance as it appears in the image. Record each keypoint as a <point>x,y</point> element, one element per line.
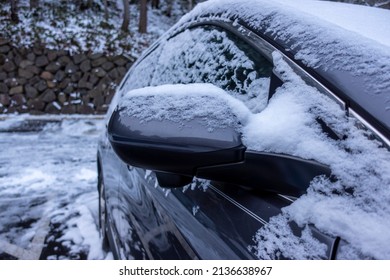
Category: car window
<point>208,55</point>
<point>141,75</point>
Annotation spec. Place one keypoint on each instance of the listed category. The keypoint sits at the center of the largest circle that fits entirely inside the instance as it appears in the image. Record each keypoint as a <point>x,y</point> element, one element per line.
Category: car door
<point>205,219</point>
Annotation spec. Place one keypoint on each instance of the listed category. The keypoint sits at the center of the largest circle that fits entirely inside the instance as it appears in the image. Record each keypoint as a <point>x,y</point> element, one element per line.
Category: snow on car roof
<point>347,45</point>
<point>369,22</point>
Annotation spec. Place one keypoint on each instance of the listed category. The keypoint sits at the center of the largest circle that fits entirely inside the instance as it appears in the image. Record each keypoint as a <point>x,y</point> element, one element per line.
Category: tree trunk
<point>105,10</point>
<point>190,5</point>
<point>155,4</point>
<point>143,12</point>
<point>89,4</point>
<point>126,16</point>
<point>33,4</point>
<point>14,11</point>
<point>168,11</point>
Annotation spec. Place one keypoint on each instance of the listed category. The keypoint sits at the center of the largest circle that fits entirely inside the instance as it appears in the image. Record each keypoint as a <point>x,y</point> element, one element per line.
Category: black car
<point>252,129</point>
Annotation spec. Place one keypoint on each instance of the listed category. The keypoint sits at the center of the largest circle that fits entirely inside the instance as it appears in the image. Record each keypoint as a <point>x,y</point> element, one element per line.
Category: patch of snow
<point>82,232</point>
<point>276,239</point>
<point>58,106</point>
<point>182,103</point>
<point>35,178</point>
<point>50,173</point>
<point>197,183</point>
<point>355,204</point>
<point>68,28</point>
<point>167,192</point>
<point>195,210</point>
<point>86,175</point>
<point>369,22</point>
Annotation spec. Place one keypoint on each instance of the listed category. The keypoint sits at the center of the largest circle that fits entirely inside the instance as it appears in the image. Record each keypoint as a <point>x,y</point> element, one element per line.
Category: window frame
<point>224,26</point>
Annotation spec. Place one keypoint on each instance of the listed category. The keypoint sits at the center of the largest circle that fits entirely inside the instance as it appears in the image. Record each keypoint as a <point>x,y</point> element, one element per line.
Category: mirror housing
<point>163,146</point>
<point>186,138</point>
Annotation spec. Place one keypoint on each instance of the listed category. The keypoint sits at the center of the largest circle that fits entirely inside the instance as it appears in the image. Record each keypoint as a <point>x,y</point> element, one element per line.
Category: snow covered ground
<point>48,196</point>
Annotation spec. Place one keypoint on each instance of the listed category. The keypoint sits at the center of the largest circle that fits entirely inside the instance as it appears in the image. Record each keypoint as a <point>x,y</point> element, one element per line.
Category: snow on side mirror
<point>182,131</point>
<point>175,129</point>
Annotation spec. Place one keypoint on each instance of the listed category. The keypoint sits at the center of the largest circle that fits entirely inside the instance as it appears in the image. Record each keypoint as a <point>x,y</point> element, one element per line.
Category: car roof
<point>346,52</point>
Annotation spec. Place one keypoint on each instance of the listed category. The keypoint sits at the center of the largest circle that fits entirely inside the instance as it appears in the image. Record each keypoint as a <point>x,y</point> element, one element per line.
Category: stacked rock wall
<point>38,80</point>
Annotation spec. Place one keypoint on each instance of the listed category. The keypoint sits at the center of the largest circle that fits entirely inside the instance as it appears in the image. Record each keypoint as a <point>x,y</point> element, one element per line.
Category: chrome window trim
<point>239,205</point>
<point>369,127</point>
<point>288,198</point>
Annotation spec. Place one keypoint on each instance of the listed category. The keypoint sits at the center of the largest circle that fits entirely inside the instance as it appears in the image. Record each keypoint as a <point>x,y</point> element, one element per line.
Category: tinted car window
<point>208,55</point>
<point>141,75</point>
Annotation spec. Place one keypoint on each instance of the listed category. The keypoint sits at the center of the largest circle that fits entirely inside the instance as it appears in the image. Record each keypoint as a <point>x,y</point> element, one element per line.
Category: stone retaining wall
<point>38,80</point>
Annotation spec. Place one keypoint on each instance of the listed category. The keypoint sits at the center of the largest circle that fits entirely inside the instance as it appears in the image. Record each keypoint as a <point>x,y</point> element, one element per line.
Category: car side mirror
<point>175,129</point>
<point>182,131</point>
